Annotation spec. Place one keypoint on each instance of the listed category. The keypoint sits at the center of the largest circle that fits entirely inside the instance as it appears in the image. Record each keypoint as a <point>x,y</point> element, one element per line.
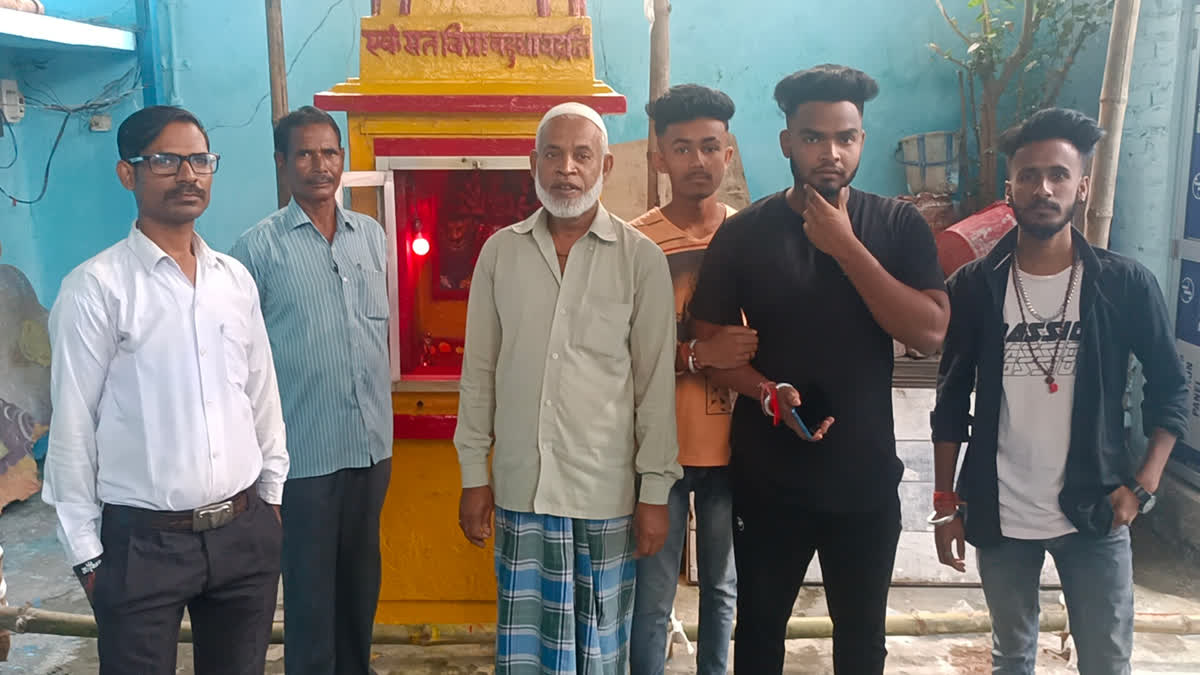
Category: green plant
<point>1019,54</point>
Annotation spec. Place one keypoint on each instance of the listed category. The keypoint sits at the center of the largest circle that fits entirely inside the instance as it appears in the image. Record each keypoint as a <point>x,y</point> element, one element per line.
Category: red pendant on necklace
<point>1052,384</point>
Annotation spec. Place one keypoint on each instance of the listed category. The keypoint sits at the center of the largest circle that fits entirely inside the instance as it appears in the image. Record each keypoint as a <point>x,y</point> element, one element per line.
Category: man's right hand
<point>729,347</point>
<point>790,398</point>
<point>85,572</point>
<point>951,544</point>
<point>475,511</point>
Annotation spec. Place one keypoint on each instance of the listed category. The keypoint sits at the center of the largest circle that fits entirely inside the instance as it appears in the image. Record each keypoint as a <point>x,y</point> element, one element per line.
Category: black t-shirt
<point>815,332</point>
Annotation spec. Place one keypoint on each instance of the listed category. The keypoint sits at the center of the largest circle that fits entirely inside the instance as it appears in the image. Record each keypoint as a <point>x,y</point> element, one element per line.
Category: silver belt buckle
<point>213,516</point>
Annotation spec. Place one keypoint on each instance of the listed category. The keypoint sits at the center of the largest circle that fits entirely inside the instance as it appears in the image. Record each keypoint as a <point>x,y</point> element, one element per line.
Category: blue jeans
<point>1097,580</point>
<point>658,576</point>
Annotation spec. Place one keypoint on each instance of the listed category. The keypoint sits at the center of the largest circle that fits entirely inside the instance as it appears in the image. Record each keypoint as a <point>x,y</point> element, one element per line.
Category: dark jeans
<point>227,579</point>
<point>773,546</point>
<point>658,577</point>
<point>331,569</point>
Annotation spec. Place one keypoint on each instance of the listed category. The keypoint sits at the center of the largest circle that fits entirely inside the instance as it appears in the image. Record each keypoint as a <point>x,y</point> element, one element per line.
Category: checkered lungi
<point>565,594</point>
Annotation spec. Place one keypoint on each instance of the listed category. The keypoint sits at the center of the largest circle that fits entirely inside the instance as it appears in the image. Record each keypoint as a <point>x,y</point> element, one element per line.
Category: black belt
<point>196,520</point>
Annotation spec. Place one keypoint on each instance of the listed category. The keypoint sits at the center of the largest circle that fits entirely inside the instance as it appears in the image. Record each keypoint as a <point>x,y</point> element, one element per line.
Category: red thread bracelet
<point>947,500</point>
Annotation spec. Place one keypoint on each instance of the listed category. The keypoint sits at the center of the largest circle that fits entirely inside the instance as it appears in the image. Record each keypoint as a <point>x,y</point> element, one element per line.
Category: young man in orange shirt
<point>694,149</point>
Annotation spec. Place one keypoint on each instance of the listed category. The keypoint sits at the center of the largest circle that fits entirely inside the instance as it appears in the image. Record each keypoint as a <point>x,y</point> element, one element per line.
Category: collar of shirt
<point>294,217</point>
<point>602,225</point>
<point>150,254</point>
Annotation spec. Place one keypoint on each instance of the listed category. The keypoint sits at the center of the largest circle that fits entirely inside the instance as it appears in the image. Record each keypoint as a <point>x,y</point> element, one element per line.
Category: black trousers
<point>773,546</point>
<point>227,578</point>
<point>331,569</point>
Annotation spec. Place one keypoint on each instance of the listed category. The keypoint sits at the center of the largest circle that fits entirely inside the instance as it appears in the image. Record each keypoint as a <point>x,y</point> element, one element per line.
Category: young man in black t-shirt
<point>828,276</point>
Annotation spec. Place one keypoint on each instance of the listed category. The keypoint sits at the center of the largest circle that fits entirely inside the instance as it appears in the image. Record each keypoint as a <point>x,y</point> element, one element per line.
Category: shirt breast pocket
<point>604,329</point>
<point>374,294</point>
<point>234,344</point>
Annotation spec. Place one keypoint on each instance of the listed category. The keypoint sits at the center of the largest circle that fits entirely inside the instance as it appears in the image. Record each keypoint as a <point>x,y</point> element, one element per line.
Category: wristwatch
<point>1146,499</point>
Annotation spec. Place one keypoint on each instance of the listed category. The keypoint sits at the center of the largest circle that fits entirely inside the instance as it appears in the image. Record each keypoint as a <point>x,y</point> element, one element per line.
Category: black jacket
<point>1123,312</point>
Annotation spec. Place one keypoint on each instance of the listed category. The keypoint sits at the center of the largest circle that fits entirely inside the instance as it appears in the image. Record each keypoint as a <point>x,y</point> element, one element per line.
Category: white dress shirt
<point>164,393</point>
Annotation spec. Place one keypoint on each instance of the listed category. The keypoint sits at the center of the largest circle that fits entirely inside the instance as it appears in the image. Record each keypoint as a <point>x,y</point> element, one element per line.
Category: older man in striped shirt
<point>320,274</point>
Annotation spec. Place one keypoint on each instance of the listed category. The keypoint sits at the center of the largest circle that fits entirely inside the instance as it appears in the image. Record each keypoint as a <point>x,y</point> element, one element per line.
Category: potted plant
<point>1017,57</point>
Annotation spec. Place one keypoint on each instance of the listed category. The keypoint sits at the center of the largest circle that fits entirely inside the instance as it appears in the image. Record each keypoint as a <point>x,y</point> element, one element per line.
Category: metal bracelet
<point>936,520</point>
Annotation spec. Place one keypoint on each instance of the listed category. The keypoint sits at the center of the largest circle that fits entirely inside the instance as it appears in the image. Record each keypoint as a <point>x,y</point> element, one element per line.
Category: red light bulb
<point>420,245</point>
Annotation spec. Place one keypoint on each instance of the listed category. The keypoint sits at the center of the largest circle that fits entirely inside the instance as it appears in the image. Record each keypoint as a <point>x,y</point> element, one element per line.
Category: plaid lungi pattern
<point>565,594</point>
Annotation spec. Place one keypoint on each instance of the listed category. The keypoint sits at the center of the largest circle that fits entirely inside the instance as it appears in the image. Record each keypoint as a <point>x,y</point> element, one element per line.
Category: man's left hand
<point>1125,506</point>
<point>278,514</point>
<point>826,225</point>
<point>650,525</point>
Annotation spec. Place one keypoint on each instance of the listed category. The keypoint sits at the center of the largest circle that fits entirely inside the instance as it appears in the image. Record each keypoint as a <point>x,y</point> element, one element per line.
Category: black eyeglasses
<point>168,163</point>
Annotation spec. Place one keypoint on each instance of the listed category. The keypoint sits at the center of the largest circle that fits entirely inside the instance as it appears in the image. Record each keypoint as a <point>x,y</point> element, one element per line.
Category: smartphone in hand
<point>804,430</point>
<point>811,413</point>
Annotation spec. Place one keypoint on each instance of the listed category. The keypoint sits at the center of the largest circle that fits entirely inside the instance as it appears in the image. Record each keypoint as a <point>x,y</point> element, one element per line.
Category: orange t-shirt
<point>702,409</point>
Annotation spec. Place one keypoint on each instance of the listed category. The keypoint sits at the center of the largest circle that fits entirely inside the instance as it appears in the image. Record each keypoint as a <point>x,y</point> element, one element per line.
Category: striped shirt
<point>326,310</point>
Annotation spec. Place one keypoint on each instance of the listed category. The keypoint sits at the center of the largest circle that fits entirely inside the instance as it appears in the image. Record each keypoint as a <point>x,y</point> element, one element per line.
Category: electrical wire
<point>46,175</point>
<point>110,95</point>
<point>13,136</point>
<point>291,65</point>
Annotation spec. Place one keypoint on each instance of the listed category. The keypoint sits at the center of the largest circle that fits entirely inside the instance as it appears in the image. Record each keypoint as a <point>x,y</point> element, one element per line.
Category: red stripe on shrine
<point>424,427</point>
<point>528,104</point>
<point>453,147</point>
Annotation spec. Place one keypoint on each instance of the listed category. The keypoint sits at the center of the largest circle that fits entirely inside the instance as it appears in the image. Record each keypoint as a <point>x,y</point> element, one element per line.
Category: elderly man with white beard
<point>569,378</point>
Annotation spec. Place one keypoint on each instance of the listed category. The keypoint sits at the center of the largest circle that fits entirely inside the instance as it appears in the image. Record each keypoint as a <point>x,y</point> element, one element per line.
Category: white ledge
<point>27,30</point>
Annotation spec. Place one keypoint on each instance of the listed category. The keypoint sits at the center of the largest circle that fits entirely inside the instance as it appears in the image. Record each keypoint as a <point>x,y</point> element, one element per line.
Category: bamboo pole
<point>45,622</point>
<point>278,73</point>
<point>966,205</point>
<point>660,79</point>
<point>1114,96</point>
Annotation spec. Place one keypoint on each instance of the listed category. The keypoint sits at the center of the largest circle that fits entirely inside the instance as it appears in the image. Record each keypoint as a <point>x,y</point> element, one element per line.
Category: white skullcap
<point>579,110</point>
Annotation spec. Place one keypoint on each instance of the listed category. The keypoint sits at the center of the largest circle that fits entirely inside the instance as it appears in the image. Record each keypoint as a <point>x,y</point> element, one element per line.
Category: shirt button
<point>203,351</point>
<point>554,356</point>
<point>548,403</point>
<point>208,403</point>
<point>345,279</point>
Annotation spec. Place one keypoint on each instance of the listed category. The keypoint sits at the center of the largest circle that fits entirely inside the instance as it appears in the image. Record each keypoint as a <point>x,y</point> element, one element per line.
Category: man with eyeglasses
<point>321,275</point>
<point>167,450</point>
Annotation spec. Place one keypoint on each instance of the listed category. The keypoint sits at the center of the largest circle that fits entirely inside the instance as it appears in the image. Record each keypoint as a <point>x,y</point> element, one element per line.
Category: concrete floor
<point>1167,581</point>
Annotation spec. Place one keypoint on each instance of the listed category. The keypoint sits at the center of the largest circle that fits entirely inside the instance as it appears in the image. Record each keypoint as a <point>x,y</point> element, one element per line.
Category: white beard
<point>568,208</point>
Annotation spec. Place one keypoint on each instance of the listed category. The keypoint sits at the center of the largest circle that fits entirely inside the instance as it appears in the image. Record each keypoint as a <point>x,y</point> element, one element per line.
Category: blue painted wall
<point>1155,126</point>
<point>120,13</point>
<point>85,209</point>
<point>220,73</point>
<point>720,44</point>
<point>214,57</point>
<point>920,91</point>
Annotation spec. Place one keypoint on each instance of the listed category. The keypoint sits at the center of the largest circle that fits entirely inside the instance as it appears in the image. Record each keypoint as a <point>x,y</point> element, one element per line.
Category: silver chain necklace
<point>1062,310</point>
<point>1062,333</point>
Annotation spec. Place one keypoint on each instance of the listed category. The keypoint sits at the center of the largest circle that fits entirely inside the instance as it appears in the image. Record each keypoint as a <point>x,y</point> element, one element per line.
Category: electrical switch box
<point>12,103</point>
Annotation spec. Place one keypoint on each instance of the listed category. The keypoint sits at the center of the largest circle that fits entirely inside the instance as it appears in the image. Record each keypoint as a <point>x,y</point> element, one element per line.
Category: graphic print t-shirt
<point>1035,425</point>
<point>702,409</point>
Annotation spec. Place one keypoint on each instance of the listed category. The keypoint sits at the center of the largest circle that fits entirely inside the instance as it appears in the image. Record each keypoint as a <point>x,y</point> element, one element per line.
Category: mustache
<point>699,174</point>
<point>1044,204</point>
<point>320,179</point>
<point>186,190</point>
